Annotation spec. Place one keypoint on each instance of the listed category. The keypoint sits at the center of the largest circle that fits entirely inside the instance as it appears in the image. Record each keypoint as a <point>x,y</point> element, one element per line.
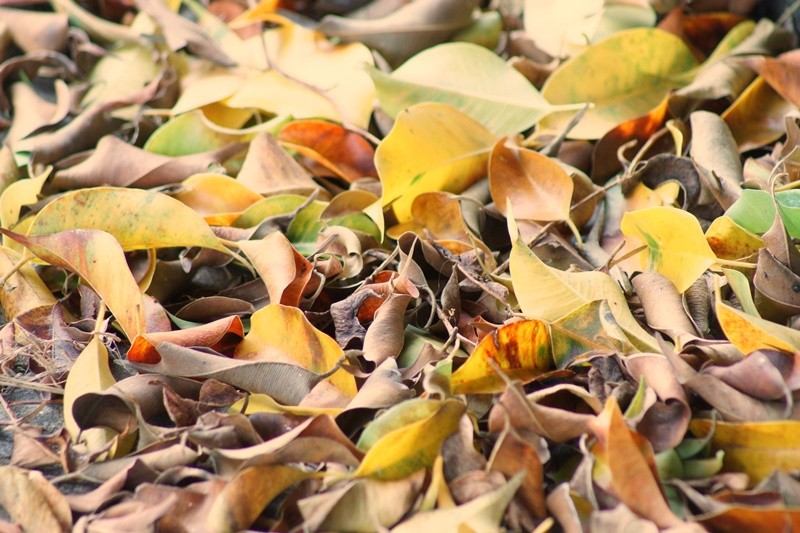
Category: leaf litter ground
<point>427,265</point>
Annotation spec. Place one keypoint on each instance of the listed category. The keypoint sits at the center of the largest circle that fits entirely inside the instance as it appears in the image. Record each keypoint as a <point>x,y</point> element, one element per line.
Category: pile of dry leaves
<point>427,265</point>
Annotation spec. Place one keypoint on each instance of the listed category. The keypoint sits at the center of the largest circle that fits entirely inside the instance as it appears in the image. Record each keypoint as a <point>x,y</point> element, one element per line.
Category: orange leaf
<point>631,464</point>
<point>341,151</point>
<point>220,335</point>
<point>521,350</point>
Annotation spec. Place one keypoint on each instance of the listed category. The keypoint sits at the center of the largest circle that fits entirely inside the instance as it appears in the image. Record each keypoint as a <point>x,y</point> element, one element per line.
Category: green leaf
<point>754,211</point>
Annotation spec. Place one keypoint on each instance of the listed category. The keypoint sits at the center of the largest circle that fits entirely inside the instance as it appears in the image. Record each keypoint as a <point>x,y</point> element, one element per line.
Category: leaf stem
<point>25,259</point>
<point>735,264</point>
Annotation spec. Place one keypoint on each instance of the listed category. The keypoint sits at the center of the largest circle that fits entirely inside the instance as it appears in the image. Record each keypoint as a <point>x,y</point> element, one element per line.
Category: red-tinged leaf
<point>605,162</point>
<point>98,258</point>
<point>285,272</point>
<point>340,151</point>
<point>221,335</point>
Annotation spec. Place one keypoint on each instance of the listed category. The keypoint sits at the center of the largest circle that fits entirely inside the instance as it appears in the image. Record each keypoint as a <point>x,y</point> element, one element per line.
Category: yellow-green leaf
<point>469,77</point>
<point>432,147</point>
<point>630,72</point>
<point>676,246</point>
<point>548,294</point>
<point>137,219</point>
<point>409,448</point>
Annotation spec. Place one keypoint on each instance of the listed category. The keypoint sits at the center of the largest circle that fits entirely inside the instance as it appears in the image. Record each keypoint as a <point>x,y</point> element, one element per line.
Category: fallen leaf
<point>501,99</point>
<point>451,151</point>
<point>548,294</point>
<point>411,28</point>
<point>633,71</point>
<point>676,246</point>
<point>32,502</point>
<point>756,448</point>
<point>402,451</point>
<point>520,350</point>
<point>295,342</point>
<point>97,257</point>
<point>481,514</point>
<point>537,187</point>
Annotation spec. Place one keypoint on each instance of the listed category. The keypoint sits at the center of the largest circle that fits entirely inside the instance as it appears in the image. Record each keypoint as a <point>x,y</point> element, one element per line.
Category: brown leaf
<point>32,501</point>
<point>402,33</point>
<point>285,272</point>
<point>119,164</point>
<point>269,169</point>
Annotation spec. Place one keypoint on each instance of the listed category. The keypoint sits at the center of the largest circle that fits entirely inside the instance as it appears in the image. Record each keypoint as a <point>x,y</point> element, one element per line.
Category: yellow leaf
<point>676,246</point>
<point>89,373</point>
<point>521,350</point>
<point>24,290</point>
<point>728,240</point>
<point>548,294</point>
<point>246,496</point>
<point>218,198</point>
<point>310,76</point>
<point>15,196</point>
<point>264,403</point>
<point>750,333</point>
<point>409,448</point>
<point>480,515</point>
<point>432,147</point>
<point>283,334</point>
<point>755,448</point>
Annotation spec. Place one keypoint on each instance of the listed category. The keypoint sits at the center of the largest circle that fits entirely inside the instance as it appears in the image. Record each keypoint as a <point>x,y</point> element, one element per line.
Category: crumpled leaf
<point>32,502</point>
<point>400,34</point>
<point>285,272</point>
